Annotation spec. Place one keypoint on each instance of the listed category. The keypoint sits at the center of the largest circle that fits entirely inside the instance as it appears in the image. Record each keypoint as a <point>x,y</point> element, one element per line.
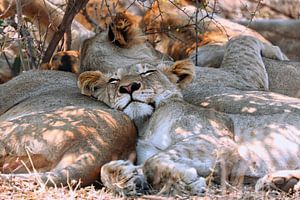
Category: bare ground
<point>15,188</point>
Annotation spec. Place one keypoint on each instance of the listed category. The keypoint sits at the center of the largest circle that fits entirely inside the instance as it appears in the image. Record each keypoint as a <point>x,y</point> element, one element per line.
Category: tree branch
<point>73,7</point>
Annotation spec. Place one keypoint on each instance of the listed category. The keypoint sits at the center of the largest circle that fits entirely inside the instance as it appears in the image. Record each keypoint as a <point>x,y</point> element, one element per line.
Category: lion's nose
<point>129,88</point>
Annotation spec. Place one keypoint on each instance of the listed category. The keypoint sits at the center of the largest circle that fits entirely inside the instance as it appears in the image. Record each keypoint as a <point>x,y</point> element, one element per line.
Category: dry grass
<point>20,189</point>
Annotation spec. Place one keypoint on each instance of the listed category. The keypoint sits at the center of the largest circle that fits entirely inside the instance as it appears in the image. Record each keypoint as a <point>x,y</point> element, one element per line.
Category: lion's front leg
<point>124,178</point>
<point>181,168</point>
<point>171,176</point>
<point>284,180</point>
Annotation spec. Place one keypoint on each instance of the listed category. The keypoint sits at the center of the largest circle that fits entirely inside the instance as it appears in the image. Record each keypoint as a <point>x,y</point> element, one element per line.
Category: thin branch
<point>108,9</point>
<point>218,24</point>
<point>30,49</point>
<point>274,8</point>
<point>6,59</point>
<point>25,35</point>
<point>19,27</point>
<point>73,7</point>
<point>131,4</point>
<point>182,10</point>
<point>6,11</point>
<point>197,39</point>
<point>67,39</point>
<point>253,14</point>
<point>160,12</point>
<point>91,20</point>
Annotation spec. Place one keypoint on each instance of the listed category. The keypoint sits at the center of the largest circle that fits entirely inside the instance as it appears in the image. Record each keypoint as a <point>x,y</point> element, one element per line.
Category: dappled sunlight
<point>266,129</point>
<point>235,97</point>
<point>21,164</point>
<point>57,136</point>
<point>252,102</point>
<point>197,129</point>
<point>89,158</point>
<point>57,124</point>
<point>220,129</point>
<point>296,106</point>
<point>273,147</point>
<point>76,136</point>
<point>84,129</point>
<point>109,118</point>
<point>249,109</point>
<point>210,139</point>
<point>70,111</point>
<point>71,135</point>
<point>204,104</point>
<point>66,160</point>
<point>7,126</point>
<point>181,131</point>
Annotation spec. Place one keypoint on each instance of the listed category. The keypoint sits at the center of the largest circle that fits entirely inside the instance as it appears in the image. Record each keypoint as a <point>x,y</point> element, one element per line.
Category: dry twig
<point>73,7</point>
<point>19,27</point>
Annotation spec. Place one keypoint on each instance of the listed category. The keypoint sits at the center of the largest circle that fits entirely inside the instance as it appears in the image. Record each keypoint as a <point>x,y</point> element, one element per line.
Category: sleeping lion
<point>240,133</point>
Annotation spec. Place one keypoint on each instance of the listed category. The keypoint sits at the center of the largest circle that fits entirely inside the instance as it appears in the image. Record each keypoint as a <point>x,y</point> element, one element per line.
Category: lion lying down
<point>50,130</point>
<point>236,130</point>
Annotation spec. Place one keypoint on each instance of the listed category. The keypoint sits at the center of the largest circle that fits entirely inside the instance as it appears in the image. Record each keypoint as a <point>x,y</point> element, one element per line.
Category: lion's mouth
<point>152,104</point>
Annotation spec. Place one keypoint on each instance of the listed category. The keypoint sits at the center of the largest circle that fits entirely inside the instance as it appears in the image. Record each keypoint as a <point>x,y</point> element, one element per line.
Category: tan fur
<point>233,129</point>
<point>125,31</point>
<point>43,117</point>
<point>89,81</point>
<point>103,11</point>
<point>43,13</point>
<point>122,44</point>
<point>5,75</point>
<point>285,180</point>
<point>171,29</point>
<point>181,70</point>
<point>64,61</point>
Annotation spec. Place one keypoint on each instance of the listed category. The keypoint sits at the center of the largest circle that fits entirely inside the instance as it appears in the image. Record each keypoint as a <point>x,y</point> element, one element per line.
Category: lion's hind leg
<point>243,59</point>
<point>69,171</point>
<point>284,180</point>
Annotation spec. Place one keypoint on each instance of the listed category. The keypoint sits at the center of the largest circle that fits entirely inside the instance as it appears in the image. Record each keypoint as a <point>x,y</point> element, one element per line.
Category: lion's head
<point>137,90</point>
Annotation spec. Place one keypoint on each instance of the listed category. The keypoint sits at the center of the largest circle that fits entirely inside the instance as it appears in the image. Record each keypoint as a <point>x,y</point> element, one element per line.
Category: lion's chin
<point>138,110</point>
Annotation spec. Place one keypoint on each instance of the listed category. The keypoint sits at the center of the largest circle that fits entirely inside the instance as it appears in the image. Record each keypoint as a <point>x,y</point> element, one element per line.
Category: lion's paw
<point>198,187</point>
<point>124,178</point>
<point>285,180</point>
<point>173,178</point>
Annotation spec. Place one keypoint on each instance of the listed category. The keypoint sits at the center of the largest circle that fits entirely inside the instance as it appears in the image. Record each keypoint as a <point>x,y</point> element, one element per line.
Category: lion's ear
<point>181,73</point>
<point>89,80</point>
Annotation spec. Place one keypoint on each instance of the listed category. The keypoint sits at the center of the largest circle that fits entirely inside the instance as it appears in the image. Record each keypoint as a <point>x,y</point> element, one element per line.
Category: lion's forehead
<point>132,70</point>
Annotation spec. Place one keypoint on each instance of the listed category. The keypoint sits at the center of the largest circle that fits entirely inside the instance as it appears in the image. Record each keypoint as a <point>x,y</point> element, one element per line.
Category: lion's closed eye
<point>147,73</point>
<point>113,80</point>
